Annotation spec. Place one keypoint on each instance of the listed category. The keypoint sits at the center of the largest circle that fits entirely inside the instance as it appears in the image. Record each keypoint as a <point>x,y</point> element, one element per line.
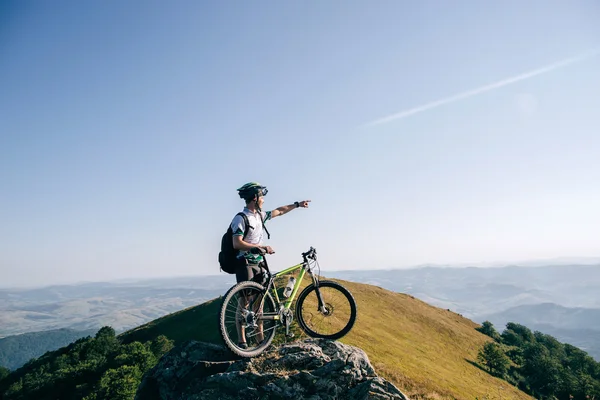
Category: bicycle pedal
<point>290,335</point>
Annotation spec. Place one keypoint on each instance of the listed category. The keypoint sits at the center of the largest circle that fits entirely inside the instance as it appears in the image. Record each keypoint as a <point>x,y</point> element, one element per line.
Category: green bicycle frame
<point>290,299</point>
<point>303,266</point>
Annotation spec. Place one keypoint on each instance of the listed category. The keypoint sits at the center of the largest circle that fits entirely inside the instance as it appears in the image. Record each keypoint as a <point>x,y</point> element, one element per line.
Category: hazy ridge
<point>476,293</point>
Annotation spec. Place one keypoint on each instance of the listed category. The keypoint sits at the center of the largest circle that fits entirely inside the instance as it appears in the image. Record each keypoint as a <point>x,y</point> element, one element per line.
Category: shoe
<point>243,345</point>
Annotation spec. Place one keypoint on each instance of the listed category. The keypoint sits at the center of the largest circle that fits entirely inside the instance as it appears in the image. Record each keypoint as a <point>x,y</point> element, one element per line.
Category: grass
<point>194,323</point>
<point>423,349</point>
<point>428,352</point>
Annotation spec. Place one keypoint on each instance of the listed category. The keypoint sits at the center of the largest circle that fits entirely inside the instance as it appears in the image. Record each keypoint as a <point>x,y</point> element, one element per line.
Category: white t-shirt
<point>255,233</point>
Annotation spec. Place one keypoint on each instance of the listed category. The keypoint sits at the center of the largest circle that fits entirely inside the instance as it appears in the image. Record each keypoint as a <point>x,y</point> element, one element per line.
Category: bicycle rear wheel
<point>340,311</point>
<point>241,317</point>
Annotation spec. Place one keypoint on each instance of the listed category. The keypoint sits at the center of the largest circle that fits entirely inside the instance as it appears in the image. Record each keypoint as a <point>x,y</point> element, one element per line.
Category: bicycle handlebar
<point>311,253</point>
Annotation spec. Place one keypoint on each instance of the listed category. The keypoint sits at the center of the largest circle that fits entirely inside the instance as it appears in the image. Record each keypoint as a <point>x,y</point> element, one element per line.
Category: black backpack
<point>228,255</point>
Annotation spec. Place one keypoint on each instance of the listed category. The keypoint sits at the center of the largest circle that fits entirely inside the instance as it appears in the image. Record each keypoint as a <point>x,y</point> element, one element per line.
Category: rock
<point>313,369</point>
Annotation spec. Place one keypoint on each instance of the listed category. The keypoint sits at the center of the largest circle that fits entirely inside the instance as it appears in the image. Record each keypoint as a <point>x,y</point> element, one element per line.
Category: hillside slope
<point>17,350</point>
<point>428,352</point>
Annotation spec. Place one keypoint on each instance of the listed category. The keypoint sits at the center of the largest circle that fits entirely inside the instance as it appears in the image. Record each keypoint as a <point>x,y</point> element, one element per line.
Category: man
<point>250,260</point>
<point>251,265</point>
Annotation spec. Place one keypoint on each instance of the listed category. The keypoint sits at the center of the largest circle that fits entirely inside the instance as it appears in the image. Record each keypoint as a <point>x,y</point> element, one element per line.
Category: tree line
<point>538,364</point>
<point>91,368</point>
<point>16,350</point>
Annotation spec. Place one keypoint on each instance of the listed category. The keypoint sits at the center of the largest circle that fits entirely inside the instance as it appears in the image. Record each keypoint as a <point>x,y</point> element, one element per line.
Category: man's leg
<point>260,336</point>
<point>256,274</point>
<point>241,331</point>
<point>249,272</point>
<point>260,277</point>
<point>243,272</point>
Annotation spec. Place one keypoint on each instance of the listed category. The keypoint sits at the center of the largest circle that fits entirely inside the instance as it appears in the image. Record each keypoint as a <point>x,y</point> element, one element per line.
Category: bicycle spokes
<point>331,317</point>
<point>243,318</point>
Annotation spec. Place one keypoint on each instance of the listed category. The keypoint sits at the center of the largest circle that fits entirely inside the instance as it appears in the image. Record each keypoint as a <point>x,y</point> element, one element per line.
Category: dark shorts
<point>250,272</point>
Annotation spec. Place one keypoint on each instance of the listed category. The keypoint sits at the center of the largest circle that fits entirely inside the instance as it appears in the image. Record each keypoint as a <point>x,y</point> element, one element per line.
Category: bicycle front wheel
<point>246,316</point>
<point>335,320</point>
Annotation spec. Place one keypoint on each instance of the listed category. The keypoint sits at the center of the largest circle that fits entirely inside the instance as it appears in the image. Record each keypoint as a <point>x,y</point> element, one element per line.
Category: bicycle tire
<point>302,319</point>
<point>230,342</point>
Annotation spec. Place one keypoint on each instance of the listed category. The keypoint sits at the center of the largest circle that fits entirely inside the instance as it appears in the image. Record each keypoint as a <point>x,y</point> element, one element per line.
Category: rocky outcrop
<point>311,369</point>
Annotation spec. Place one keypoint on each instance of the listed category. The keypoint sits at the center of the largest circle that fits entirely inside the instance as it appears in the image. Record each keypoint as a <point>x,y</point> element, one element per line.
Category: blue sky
<point>125,128</point>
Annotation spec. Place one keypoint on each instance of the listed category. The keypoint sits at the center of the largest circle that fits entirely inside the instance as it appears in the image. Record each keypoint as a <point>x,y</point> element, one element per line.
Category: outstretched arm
<point>285,209</point>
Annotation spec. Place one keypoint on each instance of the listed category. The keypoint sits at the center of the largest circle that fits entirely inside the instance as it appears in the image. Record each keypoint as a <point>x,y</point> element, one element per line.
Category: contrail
<point>487,88</point>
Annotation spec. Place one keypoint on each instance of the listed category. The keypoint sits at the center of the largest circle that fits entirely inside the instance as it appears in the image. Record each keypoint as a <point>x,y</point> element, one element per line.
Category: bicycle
<point>248,309</point>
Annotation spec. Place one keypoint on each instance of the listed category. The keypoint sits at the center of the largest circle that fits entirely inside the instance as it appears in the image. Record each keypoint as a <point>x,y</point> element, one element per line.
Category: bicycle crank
<point>287,316</point>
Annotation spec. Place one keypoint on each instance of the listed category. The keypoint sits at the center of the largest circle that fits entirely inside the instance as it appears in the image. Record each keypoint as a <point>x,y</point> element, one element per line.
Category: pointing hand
<point>303,203</point>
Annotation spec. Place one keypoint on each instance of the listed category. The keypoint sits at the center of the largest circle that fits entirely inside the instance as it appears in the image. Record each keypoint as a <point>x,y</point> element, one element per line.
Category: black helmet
<point>251,189</point>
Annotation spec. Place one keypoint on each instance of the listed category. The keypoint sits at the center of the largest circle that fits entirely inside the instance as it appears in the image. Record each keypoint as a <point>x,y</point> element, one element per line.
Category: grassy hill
<point>428,352</point>
<point>194,323</point>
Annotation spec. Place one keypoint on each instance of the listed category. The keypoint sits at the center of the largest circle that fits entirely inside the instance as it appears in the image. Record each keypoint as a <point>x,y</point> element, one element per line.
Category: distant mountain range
<point>93,305</point>
<point>549,314</point>
<point>548,262</point>
<point>566,299</point>
<point>478,291</point>
<point>577,326</point>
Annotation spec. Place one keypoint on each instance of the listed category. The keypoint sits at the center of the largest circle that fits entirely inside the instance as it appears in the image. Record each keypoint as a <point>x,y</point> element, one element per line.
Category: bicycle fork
<point>321,304</point>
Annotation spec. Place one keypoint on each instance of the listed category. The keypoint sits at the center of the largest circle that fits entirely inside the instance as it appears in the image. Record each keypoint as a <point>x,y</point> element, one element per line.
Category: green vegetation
<point>488,329</point>
<point>494,358</point>
<point>16,350</point>
<point>92,368</point>
<point>4,372</point>
<point>541,365</point>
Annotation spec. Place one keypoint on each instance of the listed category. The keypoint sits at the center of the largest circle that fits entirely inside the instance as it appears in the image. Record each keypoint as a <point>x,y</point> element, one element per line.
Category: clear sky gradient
<point>125,128</point>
